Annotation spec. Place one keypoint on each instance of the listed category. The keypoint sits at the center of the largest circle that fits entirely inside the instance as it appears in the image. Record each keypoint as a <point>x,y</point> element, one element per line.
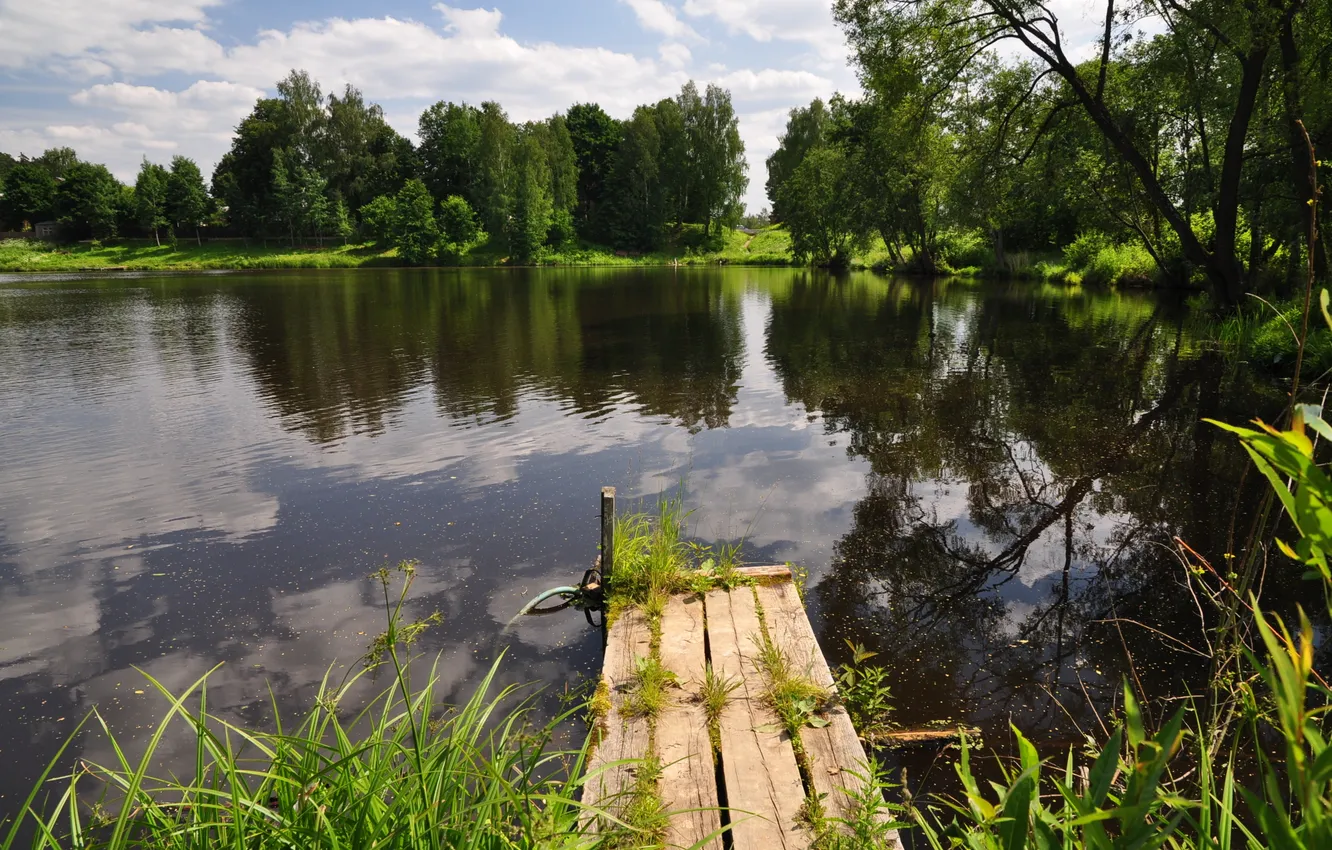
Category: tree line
<point>1190,143</point>
<point>304,166</point>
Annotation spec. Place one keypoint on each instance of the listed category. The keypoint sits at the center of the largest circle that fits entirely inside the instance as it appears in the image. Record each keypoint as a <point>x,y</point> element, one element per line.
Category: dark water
<point>204,469</point>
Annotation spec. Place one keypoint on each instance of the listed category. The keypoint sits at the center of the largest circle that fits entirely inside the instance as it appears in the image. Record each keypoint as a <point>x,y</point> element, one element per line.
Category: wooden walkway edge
<point>755,783</point>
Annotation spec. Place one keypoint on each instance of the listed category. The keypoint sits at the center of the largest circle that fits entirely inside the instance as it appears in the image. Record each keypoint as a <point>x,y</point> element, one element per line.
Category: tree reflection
<point>343,355</point>
<point>1032,456</point>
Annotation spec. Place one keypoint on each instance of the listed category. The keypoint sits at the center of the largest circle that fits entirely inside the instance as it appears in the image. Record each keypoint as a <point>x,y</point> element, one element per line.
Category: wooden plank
<point>776,572</point>
<point>763,788</point>
<point>837,760</point>
<point>688,786</point>
<point>623,738</point>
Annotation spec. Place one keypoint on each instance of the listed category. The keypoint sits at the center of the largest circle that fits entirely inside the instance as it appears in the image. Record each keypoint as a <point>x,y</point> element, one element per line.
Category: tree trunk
<point>156,238</point>
<point>198,240</point>
<point>1223,274</point>
<point>1299,157</point>
<point>1226,211</point>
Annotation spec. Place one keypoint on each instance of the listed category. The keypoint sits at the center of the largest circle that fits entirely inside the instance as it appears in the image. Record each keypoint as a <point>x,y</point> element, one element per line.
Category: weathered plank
<point>776,572</point>
<point>763,787</point>
<point>688,785</point>
<point>836,758</point>
<point>622,738</point>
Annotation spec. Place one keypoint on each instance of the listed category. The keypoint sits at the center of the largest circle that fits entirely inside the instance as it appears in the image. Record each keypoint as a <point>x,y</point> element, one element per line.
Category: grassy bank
<point>769,247</point>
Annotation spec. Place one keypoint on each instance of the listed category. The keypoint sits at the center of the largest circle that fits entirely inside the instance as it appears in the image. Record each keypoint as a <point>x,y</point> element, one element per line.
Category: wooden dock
<point>755,784</point>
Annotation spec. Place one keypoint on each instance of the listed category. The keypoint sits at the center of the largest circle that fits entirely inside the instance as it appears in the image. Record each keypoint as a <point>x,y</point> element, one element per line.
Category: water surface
<point>983,481</point>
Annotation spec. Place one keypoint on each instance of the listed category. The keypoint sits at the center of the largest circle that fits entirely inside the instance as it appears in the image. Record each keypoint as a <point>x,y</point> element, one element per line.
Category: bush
<point>1079,255</point>
<point>962,249</point>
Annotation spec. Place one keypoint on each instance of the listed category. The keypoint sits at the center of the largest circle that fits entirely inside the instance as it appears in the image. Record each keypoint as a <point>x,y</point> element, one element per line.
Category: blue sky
<point>122,79</point>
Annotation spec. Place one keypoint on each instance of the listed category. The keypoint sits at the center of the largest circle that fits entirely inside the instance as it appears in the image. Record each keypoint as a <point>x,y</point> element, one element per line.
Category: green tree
<point>7,164</point>
<point>716,155</point>
<point>57,161</point>
<point>804,131</point>
<point>28,196</point>
<point>150,191</point>
<point>533,203</point>
<point>458,228</point>
<point>450,150</point>
<point>186,197</point>
<point>359,155</point>
<point>378,218</point>
<point>1220,56</point>
<point>635,196</point>
<point>595,136</point>
<point>823,224</point>
<point>87,200</point>
<point>415,229</point>
<point>497,177</point>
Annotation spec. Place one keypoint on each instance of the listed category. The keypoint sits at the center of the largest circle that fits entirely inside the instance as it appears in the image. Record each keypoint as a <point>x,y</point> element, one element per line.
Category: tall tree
<point>717,154</point>
<point>186,197</point>
<point>496,176</point>
<point>595,137</point>
<point>7,164</point>
<point>416,230</point>
<point>804,131</point>
<point>28,195</point>
<point>823,225</point>
<point>57,161</point>
<point>533,201</point>
<point>635,198</point>
<point>150,199</point>
<point>87,200</point>
<point>450,150</point>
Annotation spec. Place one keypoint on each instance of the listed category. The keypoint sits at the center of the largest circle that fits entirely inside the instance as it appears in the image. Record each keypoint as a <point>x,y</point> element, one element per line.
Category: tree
<point>29,195</point>
<point>57,161</point>
<point>822,223</point>
<point>150,199</point>
<point>378,218</point>
<point>717,155</point>
<point>496,176</point>
<point>533,203</point>
<point>186,197</point>
<point>87,200</point>
<point>804,131</point>
<point>7,164</point>
<point>243,180</point>
<point>415,229</point>
<point>458,228</point>
<point>595,136</point>
<point>450,149</point>
<point>635,196</point>
<point>1225,52</point>
<point>359,155</point>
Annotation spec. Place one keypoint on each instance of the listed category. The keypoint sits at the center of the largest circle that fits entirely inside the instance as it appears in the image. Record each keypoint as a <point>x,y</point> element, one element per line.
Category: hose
<point>566,591</point>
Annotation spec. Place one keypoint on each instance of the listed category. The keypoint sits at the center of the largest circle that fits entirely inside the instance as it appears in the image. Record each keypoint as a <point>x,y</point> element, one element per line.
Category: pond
<point>982,480</point>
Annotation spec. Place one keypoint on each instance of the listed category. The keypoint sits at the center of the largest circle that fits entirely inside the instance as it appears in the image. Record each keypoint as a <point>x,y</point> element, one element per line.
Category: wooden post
<point>607,533</point>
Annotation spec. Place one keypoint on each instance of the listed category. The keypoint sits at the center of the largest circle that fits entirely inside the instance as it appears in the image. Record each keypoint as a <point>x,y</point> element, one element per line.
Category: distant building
<point>48,230</point>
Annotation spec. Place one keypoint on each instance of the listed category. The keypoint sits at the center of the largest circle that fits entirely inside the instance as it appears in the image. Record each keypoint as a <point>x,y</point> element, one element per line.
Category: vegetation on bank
<point>769,247</point>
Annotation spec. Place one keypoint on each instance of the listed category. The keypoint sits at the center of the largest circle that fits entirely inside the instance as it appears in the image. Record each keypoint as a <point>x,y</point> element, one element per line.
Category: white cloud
<point>806,21</point>
<point>76,28</point>
<point>656,16</point>
<point>675,54</point>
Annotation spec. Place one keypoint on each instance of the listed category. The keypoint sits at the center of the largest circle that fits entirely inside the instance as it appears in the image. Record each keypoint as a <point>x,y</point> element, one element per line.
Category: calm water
<point>204,469</point>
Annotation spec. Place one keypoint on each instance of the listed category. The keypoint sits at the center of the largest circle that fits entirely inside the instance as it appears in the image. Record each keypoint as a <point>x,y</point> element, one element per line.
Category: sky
<point>119,80</point>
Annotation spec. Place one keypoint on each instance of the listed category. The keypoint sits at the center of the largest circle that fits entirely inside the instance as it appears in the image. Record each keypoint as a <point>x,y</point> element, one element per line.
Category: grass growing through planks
<point>715,696</point>
<point>407,773</point>
<point>649,691</point>
<point>653,561</point>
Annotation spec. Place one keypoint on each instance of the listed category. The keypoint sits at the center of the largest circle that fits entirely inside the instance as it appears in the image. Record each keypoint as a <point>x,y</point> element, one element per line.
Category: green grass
<point>406,771</point>
<point>649,692</point>
<point>715,695</point>
<point>770,247</point>
<point>21,255</point>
